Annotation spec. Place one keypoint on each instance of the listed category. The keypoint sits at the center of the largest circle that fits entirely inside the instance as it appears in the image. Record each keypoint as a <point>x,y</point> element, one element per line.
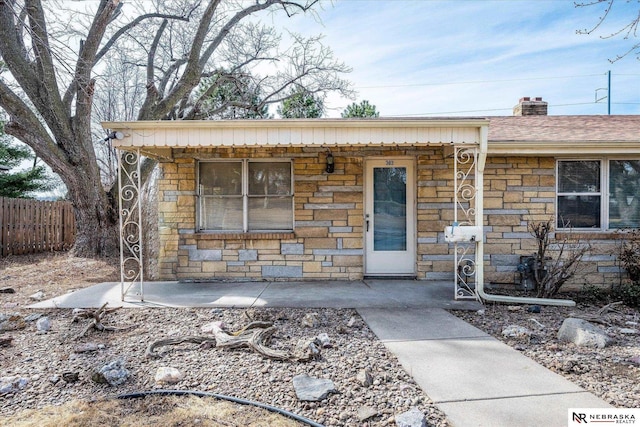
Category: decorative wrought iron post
<point>130,208</point>
<point>466,191</point>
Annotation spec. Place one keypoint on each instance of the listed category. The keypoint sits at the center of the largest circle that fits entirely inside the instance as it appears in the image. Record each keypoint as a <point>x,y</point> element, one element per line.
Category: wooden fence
<point>30,226</point>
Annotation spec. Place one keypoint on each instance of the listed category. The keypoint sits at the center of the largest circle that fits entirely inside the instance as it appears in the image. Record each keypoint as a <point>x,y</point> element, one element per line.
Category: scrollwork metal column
<point>130,208</point>
<point>464,214</point>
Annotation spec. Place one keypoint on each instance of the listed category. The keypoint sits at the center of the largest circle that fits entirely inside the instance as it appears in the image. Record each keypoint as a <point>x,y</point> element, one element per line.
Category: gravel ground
<point>612,373</point>
<point>43,359</point>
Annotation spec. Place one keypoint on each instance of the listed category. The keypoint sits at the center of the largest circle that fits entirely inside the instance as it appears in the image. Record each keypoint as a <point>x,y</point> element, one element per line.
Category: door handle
<point>367,221</point>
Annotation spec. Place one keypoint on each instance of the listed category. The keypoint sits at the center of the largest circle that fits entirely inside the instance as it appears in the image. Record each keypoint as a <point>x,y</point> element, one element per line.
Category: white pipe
<point>505,298</point>
<point>480,244</point>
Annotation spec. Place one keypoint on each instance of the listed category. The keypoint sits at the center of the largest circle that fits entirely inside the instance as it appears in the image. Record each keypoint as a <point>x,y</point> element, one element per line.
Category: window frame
<point>244,195</point>
<point>604,193</point>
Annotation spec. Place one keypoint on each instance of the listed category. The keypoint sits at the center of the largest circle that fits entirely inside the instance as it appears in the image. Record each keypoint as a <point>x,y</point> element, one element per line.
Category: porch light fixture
<point>114,135</point>
<point>330,165</point>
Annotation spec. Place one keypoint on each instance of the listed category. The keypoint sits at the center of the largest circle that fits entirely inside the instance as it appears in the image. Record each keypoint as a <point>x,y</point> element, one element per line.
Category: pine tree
<point>301,105</point>
<point>19,184</point>
<point>364,109</point>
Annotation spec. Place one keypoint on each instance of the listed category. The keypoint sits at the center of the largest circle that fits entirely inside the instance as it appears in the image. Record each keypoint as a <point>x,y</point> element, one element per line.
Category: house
<point>341,199</point>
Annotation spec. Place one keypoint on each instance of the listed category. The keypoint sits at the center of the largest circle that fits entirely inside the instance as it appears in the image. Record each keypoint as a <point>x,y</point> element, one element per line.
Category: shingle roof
<point>565,129</point>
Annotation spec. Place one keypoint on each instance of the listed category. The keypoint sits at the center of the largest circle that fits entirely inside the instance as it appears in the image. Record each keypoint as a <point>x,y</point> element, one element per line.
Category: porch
<point>368,293</point>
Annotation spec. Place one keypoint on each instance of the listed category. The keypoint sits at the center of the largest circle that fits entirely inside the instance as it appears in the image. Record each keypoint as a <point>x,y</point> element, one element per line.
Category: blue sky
<point>477,58</point>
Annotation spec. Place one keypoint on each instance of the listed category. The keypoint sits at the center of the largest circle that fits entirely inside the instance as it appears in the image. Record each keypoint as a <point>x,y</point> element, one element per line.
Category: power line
<point>484,81</point>
<point>443,113</point>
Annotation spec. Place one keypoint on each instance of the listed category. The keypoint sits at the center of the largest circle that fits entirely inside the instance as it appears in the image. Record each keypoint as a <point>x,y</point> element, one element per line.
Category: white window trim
<point>245,195</point>
<point>604,192</point>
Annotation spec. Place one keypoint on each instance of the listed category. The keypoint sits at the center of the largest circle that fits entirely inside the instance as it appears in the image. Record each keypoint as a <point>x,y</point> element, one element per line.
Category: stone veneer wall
<point>519,191</point>
<point>327,242</point>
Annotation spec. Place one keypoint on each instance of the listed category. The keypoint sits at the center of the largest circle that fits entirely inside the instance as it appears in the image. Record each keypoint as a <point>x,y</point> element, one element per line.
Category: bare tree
<point>48,87</point>
<point>626,32</point>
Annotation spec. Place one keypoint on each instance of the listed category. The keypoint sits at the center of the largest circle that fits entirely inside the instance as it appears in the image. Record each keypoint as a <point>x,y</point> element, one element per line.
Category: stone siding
<point>520,191</point>
<point>327,240</point>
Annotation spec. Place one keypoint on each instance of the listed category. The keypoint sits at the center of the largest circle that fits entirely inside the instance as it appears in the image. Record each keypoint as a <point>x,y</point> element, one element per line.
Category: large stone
<point>43,325</point>
<point>312,389</point>
<point>114,373</point>
<point>582,333</point>
<point>412,418</point>
<point>12,384</point>
<point>168,375</point>
<point>366,412</point>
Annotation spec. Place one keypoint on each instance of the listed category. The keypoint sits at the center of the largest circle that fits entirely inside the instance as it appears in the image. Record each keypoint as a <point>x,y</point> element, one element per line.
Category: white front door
<point>389,223</point>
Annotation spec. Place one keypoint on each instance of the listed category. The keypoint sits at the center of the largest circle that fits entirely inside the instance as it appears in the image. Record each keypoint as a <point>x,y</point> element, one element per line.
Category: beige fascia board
<point>298,123</point>
<point>298,132</point>
<point>559,148</point>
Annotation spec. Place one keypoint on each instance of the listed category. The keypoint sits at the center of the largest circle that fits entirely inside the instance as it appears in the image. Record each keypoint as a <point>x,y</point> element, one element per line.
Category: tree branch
<point>107,46</point>
<point>26,126</point>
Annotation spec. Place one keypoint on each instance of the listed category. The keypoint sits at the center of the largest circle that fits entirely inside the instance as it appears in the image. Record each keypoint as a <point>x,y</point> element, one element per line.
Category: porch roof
<point>156,137</point>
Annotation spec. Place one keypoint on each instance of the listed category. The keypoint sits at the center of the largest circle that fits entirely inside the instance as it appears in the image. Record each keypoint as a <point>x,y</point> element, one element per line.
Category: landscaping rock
<point>114,373</point>
<point>325,341</point>
<point>70,377</point>
<point>412,418</point>
<point>310,320</point>
<point>168,375</point>
<point>366,412</point>
<point>364,378</point>
<point>534,309</point>
<point>33,317</point>
<point>582,333</point>
<point>88,347</point>
<point>516,331</point>
<point>12,384</point>
<point>38,296</point>
<point>43,325</point>
<point>312,389</point>
<point>12,323</point>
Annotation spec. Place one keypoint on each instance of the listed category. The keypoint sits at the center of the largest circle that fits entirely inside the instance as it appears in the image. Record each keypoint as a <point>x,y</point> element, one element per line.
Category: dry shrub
<point>552,269</point>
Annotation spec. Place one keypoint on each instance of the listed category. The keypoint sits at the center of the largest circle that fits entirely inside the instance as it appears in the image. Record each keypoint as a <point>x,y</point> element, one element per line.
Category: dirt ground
<point>612,373</point>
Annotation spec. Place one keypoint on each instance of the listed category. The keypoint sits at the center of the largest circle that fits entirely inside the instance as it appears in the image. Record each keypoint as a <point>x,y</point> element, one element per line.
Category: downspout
<point>482,158</point>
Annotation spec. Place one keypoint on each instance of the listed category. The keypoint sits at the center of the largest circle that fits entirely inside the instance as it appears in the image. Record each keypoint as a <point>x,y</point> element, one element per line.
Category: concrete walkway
<point>474,378</point>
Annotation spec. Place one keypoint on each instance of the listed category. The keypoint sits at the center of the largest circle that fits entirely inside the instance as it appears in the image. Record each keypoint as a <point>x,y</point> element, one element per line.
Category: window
<point>598,194</point>
<point>624,191</point>
<point>245,195</point>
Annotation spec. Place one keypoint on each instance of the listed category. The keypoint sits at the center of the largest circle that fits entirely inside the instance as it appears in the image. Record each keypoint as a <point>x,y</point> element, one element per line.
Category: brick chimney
<point>530,107</point>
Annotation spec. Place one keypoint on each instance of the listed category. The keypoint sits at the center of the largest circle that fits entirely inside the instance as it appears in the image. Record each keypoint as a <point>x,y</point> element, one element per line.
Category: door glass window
<point>390,209</point>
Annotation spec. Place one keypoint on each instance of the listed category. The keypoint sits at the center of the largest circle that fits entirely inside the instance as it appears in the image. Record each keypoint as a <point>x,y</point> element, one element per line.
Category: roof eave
<point>540,148</point>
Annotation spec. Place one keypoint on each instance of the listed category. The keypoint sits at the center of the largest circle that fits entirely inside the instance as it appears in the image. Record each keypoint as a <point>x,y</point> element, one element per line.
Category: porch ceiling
<point>159,137</point>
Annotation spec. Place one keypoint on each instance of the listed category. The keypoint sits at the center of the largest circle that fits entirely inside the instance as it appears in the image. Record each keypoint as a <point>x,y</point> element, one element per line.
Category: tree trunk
<point>96,215</point>
<point>97,232</point>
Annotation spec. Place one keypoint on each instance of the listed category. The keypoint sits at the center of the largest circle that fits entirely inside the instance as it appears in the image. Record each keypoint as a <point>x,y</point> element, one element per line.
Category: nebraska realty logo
<point>602,416</point>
